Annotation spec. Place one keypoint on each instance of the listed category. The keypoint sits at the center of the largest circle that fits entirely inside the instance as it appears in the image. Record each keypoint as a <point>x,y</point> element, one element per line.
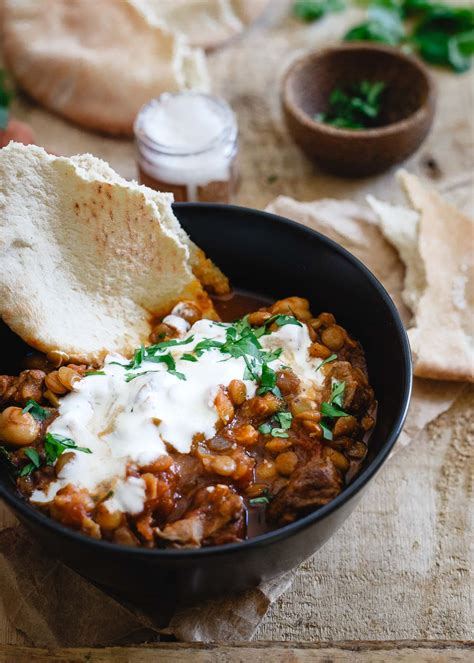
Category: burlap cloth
<point>48,602</point>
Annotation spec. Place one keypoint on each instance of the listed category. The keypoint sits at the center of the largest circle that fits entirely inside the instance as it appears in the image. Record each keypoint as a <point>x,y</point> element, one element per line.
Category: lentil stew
<point>278,433</point>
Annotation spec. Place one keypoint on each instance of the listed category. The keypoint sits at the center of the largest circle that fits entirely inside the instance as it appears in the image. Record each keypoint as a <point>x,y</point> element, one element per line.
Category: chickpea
<point>297,306</point>
<point>313,428</point>
<point>334,337</point>
<point>163,332</point>
<point>264,406</point>
<point>18,429</point>
<point>304,408</point>
<point>54,384</point>
<point>357,450</point>
<point>258,318</point>
<point>223,465</point>
<point>245,465</point>
<point>224,406</point>
<point>255,489</point>
<point>188,311</point>
<point>108,520</point>
<point>288,382</point>
<point>345,426</point>
<point>68,376</point>
<point>237,392</point>
<point>277,445</point>
<point>57,358</point>
<point>63,460</point>
<point>319,350</point>
<point>266,470</point>
<point>326,319</point>
<point>339,460</point>
<point>246,435</point>
<point>52,398</point>
<point>286,463</point>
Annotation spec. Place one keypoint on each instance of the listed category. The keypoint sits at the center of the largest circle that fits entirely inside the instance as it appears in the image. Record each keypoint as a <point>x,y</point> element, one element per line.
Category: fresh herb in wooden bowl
<point>357,107</point>
<point>438,32</point>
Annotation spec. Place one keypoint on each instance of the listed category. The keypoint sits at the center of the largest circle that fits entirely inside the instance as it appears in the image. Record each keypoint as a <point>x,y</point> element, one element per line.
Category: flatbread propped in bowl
<point>88,259</point>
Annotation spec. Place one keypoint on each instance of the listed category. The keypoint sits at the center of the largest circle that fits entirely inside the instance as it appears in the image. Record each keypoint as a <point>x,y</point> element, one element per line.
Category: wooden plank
<point>324,652</point>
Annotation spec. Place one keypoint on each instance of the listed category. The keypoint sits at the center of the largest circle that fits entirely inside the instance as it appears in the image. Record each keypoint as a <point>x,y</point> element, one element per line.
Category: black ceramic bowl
<point>274,257</point>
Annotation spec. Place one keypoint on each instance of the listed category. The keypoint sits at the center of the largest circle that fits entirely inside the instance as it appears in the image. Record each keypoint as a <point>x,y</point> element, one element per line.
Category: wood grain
<point>399,568</point>
<point>323,652</point>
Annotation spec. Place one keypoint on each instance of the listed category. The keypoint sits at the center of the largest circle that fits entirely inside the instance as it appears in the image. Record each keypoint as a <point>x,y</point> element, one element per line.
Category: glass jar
<point>187,144</point>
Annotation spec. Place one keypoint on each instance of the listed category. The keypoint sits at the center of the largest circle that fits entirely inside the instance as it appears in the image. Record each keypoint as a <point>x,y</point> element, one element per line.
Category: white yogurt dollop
<point>131,422</point>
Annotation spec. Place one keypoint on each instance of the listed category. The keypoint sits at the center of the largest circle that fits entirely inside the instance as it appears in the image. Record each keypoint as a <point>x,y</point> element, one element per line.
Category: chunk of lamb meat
<point>312,485</point>
<point>358,395</point>
<point>215,516</point>
<point>18,390</point>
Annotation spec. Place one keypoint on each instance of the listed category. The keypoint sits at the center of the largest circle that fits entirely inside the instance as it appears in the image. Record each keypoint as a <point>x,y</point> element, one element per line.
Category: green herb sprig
<point>333,409</point>
<point>439,33</point>
<point>242,340</point>
<point>313,10</point>
<point>38,412</point>
<point>278,425</point>
<point>358,107</point>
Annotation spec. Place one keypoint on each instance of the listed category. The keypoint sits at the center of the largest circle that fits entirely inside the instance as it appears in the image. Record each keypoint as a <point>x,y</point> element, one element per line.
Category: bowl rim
<point>371,133</point>
<point>33,514</point>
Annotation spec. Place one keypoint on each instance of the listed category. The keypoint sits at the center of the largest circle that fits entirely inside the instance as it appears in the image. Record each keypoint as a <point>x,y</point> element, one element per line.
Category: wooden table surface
<point>399,567</point>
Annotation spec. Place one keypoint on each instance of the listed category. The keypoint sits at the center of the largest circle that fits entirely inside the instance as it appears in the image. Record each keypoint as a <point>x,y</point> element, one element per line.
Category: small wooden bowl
<point>407,109</point>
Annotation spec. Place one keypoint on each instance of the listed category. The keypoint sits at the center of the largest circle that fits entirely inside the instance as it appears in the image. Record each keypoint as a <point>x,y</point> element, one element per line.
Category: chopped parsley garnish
<point>357,107</point>
<point>333,409</point>
<point>326,361</point>
<point>96,372</point>
<point>55,445</point>
<point>36,411</point>
<point>33,465</point>
<point>255,501</point>
<point>263,498</point>
<point>241,341</point>
<point>278,425</point>
<point>188,357</point>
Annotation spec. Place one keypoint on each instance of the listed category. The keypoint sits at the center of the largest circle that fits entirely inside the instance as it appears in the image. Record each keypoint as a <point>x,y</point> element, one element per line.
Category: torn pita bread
<point>203,268</point>
<point>96,63</point>
<point>87,259</point>
<point>206,23</point>
<point>435,241</point>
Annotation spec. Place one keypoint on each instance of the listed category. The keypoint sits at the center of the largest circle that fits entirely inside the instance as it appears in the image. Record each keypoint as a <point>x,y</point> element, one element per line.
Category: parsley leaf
<point>55,445</point>
<point>38,412</point>
<point>33,465</point>
<point>254,501</point>
<point>333,409</point>
<point>312,10</point>
<point>358,107</point>
<point>337,392</point>
<point>188,357</point>
<point>326,361</point>
<point>284,420</point>
<point>268,380</point>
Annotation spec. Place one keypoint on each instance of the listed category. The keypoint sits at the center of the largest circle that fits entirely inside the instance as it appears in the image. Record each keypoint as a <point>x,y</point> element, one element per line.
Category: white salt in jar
<point>187,144</point>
